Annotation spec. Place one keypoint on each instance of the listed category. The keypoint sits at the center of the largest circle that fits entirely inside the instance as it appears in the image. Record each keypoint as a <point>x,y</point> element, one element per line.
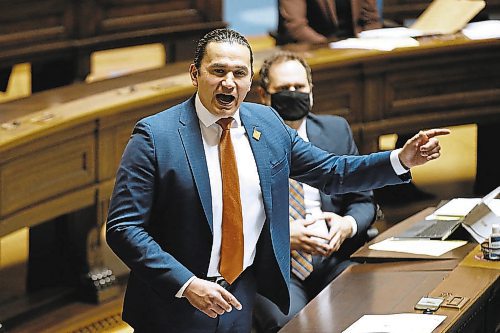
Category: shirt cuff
<point>180,293</point>
<point>396,163</point>
<point>354,225</point>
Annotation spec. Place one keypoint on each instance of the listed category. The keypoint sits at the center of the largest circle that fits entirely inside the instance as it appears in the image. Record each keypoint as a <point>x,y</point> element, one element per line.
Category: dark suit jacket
<point>160,215</point>
<point>314,21</point>
<point>333,134</point>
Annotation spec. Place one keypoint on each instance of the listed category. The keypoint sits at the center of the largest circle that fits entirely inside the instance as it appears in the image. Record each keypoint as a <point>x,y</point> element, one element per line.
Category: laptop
<point>456,212</point>
<point>431,229</point>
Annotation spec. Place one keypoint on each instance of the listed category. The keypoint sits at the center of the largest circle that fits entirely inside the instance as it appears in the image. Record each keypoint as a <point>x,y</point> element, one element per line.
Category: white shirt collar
<point>302,130</point>
<point>208,119</point>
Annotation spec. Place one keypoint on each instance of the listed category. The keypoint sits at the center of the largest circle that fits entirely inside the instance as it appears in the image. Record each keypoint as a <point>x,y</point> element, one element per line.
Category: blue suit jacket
<point>160,216</point>
<point>333,134</point>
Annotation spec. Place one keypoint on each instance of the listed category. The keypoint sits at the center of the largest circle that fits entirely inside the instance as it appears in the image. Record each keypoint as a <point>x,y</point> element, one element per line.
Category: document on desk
<point>482,30</point>
<point>428,247</point>
<point>397,32</point>
<point>454,209</point>
<point>396,323</point>
<point>381,44</point>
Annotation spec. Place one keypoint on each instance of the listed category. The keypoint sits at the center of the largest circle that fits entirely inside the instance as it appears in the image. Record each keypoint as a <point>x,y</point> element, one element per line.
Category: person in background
<point>199,210</point>
<point>321,21</point>
<point>318,21</point>
<point>286,85</point>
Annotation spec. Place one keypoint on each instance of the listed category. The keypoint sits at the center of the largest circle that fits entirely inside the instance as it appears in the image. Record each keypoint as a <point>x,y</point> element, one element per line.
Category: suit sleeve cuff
<point>354,225</point>
<point>396,163</point>
<point>180,293</point>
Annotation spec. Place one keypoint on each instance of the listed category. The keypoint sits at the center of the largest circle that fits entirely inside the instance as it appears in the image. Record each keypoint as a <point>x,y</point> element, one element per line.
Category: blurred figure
<point>318,21</point>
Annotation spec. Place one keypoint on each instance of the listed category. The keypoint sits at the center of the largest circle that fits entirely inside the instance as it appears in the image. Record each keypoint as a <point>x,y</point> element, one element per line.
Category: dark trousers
<point>267,316</point>
<point>188,319</point>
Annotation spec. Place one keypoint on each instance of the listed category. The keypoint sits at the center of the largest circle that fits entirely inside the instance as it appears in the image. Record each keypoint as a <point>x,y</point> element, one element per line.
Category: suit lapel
<point>313,132</point>
<point>315,137</point>
<point>257,139</point>
<point>193,147</point>
<point>328,7</point>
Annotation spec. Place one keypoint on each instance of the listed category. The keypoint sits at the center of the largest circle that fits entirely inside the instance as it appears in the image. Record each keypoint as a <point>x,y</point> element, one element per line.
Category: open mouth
<point>224,99</point>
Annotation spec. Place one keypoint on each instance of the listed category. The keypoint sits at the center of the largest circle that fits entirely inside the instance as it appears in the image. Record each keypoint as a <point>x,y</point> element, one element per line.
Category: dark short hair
<point>277,58</point>
<point>220,36</point>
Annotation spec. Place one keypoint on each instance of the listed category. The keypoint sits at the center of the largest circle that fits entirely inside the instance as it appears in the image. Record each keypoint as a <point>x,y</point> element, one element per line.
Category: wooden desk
<point>395,287</point>
<point>59,149</point>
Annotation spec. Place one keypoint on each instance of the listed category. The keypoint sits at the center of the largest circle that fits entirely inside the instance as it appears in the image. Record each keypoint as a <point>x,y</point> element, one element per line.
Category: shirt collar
<point>208,119</point>
<point>302,131</point>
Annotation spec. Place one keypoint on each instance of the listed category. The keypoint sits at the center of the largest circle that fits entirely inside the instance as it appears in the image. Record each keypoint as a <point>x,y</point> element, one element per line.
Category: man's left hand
<point>340,230</point>
<point>422,147</point>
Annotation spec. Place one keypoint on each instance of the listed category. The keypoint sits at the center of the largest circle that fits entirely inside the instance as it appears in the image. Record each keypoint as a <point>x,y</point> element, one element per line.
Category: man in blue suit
<point>286,85</point>
<point>166,219</point>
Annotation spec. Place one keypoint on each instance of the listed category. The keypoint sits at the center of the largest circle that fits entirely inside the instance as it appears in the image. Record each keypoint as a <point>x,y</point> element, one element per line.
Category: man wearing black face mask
<point>334,226</point>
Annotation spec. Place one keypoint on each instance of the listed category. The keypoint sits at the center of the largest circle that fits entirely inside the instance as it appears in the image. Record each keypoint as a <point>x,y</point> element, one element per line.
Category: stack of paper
<point>482,30</point>
<point>396,323</point>
<point>398,32</point>
<point>381,44</point>
<point>428,247</point>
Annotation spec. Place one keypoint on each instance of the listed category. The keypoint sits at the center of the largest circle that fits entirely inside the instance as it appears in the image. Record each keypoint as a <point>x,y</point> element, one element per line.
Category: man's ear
<point>263,96</point>
<point>193,73</point>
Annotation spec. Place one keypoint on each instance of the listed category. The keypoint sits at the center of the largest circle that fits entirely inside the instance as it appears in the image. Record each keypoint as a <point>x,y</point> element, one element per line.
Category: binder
<point>447,16</point>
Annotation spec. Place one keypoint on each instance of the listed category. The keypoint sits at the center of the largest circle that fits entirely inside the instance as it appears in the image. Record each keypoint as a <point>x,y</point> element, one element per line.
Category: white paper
<point>396,323</point>
<point>397,32</point>
<point>494,205</point>
<point>482,30</point>
<point>381,44</point>
<point>480,230</point>
<point>428,247</point>
<point>455,208</point>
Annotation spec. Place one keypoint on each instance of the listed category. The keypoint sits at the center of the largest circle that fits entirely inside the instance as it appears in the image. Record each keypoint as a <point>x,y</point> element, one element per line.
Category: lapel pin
<point>256,134</point>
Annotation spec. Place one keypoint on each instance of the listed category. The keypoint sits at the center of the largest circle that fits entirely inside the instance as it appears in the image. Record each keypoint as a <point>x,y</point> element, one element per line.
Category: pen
<point>409,238</point>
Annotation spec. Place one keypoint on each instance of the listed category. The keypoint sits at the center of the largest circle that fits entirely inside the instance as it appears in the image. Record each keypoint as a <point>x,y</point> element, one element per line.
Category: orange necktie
<point>231,252</point>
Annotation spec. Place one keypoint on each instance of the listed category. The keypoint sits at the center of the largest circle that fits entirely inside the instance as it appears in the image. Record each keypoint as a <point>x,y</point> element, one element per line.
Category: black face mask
<point>291,105</point>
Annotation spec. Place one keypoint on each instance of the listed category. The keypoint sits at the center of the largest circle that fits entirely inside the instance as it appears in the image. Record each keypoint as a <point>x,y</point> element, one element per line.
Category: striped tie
<point>301,261</point>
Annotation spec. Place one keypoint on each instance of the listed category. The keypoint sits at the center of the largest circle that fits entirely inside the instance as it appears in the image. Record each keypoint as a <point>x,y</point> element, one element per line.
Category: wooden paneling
<point>339,91</point>
<point>43,30</point>
<point>50,172</point>
<point>132,15</point>
<point>461,81</point>
<point>32,22</point>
